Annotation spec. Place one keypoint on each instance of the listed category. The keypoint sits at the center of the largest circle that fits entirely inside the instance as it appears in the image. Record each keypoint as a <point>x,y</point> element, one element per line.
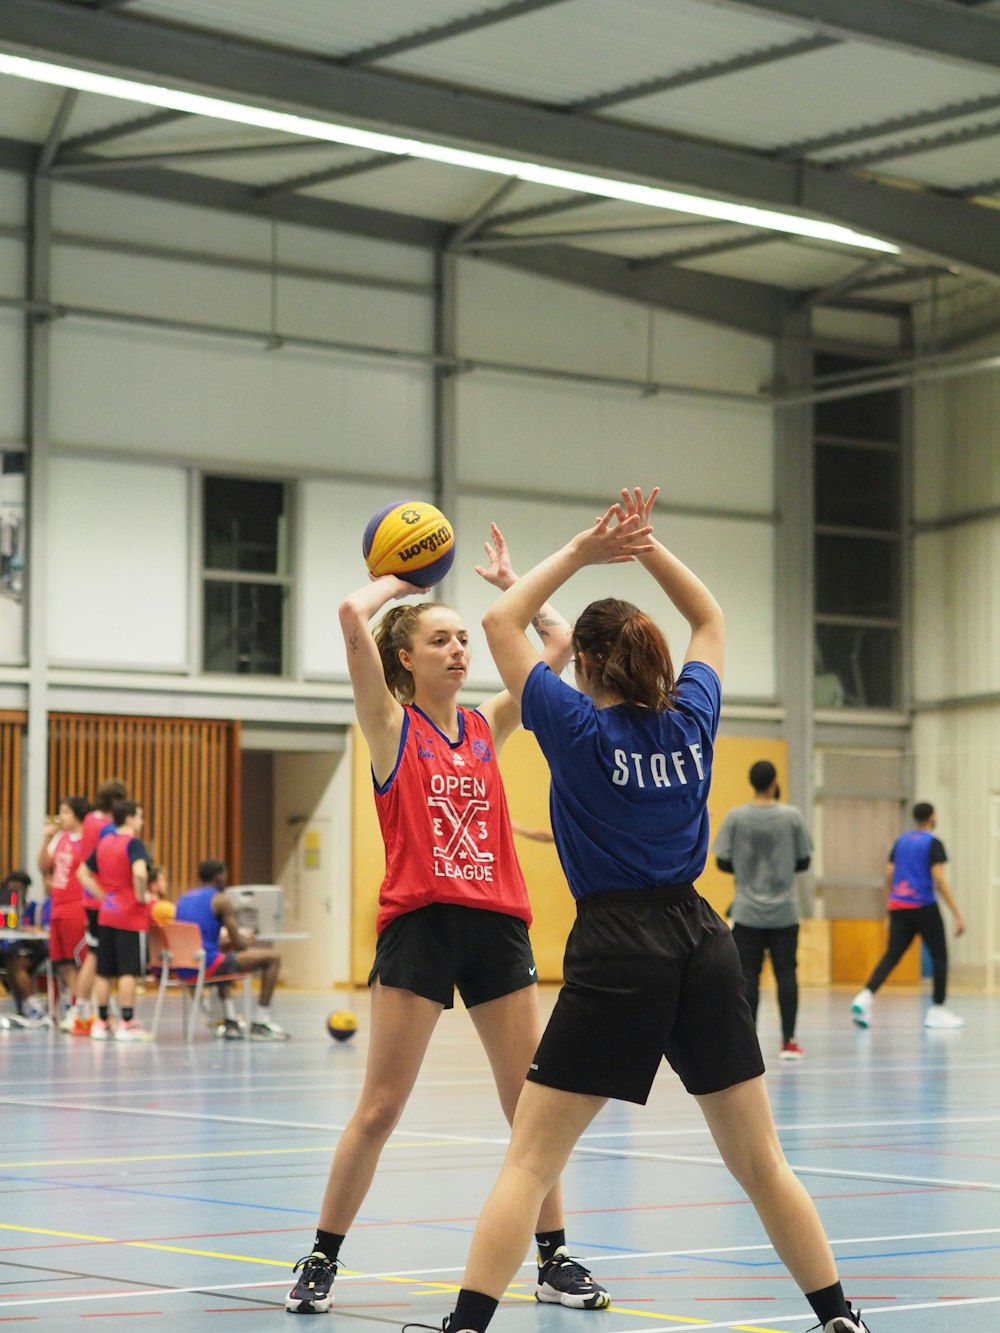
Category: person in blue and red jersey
<point>59,859</point>
<point>651,971</point>
<point>915,877</point>
<point>96,824</point>
<point>211,909</point>
<point>453,906</point>
<point>116,872</point>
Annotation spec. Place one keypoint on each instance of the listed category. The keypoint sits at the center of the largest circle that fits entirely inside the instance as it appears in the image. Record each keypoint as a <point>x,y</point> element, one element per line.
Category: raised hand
<point>500,572</point>
<point>616,538</point>
<point>634,503</point>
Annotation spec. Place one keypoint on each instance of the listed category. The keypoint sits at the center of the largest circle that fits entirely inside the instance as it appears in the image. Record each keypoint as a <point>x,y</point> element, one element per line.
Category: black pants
<point>904,924</point>
<point>782,942</point>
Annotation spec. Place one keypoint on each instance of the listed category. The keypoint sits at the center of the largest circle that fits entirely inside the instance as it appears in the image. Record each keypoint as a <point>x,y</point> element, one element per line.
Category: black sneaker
<point>563,1280</point>
<point>313,1292</point>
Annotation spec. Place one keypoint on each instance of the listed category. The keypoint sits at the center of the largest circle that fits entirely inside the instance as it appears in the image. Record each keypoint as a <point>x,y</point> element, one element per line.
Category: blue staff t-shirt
<point>629,791</point>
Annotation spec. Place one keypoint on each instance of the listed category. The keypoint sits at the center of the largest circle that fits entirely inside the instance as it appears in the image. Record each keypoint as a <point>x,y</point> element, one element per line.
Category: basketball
<point>412,540</point>
<point>342,1024</point>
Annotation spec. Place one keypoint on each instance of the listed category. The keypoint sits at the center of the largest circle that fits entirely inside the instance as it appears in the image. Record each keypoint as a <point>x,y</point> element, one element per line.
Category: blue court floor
<point>153,1187</point>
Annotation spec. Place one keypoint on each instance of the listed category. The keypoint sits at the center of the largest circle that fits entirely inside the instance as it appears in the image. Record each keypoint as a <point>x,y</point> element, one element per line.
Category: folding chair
<point>177,945</point>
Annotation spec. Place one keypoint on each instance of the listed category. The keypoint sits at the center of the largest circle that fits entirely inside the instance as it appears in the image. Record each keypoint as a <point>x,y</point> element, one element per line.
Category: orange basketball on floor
<point>411,539</point>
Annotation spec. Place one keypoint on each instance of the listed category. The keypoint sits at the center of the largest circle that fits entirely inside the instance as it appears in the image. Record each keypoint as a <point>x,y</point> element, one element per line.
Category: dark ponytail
<point>393,633</point>
<point>628,654</point>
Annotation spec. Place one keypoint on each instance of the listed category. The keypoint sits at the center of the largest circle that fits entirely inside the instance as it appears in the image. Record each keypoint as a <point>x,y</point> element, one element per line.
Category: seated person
<point>211,910</point>
<point>161,906</point>
<point>21,959</point>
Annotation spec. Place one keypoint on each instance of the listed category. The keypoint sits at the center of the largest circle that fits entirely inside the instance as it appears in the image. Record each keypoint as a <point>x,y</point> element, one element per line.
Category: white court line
<point>836,1173</point>
<point>754,1320</point>
<point>326,1126</point>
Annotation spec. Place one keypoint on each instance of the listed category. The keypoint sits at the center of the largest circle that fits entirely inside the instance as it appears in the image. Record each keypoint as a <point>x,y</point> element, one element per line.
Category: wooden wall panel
<point>11,772</point>
<point>184,772</point>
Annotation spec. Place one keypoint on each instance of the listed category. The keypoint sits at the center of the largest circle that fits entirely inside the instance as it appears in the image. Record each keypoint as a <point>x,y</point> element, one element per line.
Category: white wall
<point>118,559</point>
<point>576,444</point>
<point>956,633</point>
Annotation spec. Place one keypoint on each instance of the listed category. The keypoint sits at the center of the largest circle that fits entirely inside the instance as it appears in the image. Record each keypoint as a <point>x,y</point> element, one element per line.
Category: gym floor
<point>167,1187</point>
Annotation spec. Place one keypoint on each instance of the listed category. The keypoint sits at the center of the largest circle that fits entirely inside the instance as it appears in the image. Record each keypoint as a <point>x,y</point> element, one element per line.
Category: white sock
<point>263,1014</point>
<point>229,1008</point>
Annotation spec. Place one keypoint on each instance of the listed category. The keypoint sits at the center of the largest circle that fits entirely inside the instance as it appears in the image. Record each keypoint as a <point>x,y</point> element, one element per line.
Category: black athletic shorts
<point>120,953</point>
<point>434,949</point>
<point>648,973</point>
<point>90,935</point>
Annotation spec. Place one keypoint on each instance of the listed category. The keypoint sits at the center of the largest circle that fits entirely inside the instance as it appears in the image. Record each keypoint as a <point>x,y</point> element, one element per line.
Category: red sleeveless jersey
<point>65,889</point>
<point>93,822</point>
<point>445,823</point>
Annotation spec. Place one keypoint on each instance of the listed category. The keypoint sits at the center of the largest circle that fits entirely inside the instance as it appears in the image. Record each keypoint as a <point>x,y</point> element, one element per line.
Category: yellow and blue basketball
<point>411,539</point>
<point>342,1024</point>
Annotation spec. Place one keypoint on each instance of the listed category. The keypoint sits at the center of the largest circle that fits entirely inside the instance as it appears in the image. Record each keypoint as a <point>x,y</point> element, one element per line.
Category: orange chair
<point>177,945</point>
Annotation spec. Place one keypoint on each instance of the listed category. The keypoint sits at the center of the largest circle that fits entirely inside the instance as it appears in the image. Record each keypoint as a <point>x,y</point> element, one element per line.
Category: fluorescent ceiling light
<point>600,187</point>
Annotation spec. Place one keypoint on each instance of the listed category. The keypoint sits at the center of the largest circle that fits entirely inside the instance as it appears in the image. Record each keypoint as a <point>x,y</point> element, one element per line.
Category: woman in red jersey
<point>453,907</point>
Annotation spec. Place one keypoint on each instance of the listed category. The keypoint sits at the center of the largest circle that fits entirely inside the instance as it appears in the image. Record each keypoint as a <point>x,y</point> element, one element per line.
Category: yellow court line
<point>197,1156</point>
<point>345,1272</point>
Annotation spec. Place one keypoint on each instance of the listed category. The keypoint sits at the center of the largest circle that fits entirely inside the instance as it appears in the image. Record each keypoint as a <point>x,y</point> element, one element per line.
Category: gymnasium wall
<point>160,367</point>
<point>956,642</point>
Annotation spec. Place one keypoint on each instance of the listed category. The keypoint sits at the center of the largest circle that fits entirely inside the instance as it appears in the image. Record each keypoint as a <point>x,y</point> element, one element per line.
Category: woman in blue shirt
<point>650,969</point>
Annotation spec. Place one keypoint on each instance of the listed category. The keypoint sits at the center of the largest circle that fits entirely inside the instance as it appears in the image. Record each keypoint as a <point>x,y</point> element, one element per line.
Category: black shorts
<point>90,935</point>
<point>226,965</point>
<point>434,949</point>
<point>34,951</point>
<point>120,953</point>
<point>648,973</point>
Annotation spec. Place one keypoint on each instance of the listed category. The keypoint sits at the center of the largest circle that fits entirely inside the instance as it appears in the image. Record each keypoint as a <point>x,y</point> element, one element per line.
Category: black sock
<point>548,1242</point>
<point>127,1015</point>
<point>828,1303</point>
<point>473,1310</point>
<point>328,1243</point>
<point>102,1012</point>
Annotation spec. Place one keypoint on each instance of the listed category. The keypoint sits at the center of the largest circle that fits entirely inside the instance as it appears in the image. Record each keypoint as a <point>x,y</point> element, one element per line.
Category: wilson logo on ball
<point>412,540</point>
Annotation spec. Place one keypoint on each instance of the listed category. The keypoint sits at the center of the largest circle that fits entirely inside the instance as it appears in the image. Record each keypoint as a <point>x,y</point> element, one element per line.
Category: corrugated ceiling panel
<point>271,168</point>
<point>815,94</point>
<point>954,168</point>
<point>319,27</point>
<point>447,194</point>
<point>781,263</point>
<point>573,50</point>
<point>889,146</point>
<point>27,109</point>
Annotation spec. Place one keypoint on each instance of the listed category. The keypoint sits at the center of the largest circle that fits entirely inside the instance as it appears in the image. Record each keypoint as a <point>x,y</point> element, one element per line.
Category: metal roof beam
<point>486,18</point>
<point>86,164</point>
<point>54,137</point>
<point>965,233</point>
<point>183,188</point>
<point>684,78</point>
<point>742,242</point>
<point>926,27</point>
<point>296,183</point>
<point>750,307</point>
<point>121,130</point>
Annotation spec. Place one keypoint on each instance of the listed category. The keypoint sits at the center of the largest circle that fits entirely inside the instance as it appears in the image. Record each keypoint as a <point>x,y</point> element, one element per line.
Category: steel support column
<point>38,333</point>
<point>794,565</point>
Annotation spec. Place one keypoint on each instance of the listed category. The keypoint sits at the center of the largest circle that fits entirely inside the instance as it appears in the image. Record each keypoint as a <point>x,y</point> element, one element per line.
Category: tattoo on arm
<point>354,639</point>
<point>542,623</point>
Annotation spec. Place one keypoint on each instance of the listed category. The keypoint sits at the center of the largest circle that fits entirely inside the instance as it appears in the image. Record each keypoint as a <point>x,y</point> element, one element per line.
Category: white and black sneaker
<point>563,1280</point>
<point>267,1032</point>
<point>313,1292</point>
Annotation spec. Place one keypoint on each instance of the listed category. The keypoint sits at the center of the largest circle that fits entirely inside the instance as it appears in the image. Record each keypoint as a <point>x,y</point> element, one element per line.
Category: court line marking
<point>790,1127</point>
